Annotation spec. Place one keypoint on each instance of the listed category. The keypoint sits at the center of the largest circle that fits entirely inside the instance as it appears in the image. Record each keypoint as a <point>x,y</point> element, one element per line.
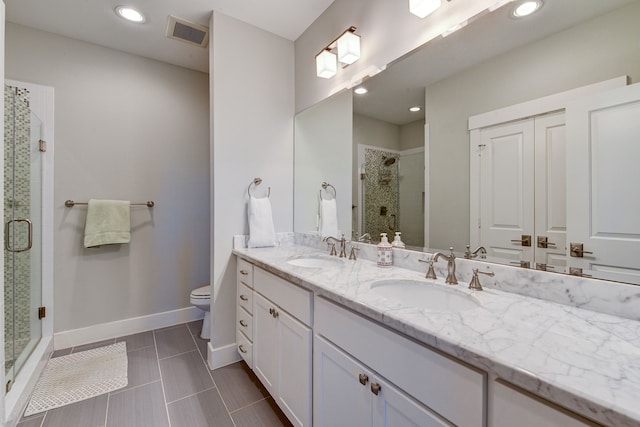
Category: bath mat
<point>79,376</point>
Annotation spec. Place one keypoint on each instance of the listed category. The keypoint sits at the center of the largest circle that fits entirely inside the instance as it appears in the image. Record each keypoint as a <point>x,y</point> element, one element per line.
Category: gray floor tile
<point>238,386</point>
<point>184,375</point>
<point>87,413</point>
<point>205,409</point>
<point>63,352</point>
<point>138,341</point>
<point>202,346</point>
<point>174,341</point>
<point>142,367</point>
<point>195,327</point>
<point>262,414</point>
<point>93,345</point>
<point>31,422</point>
<point>140,406</point>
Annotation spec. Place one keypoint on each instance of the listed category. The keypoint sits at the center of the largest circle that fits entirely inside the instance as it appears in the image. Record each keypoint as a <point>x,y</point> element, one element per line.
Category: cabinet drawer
<point>289,297</point>
<point>245,272</point>
<point>244,323</point>
<point>245,298</point>
<point>433,379</point>
<point>245,348</point>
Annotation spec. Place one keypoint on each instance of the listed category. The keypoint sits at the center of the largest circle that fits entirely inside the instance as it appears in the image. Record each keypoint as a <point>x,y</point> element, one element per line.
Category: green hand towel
<point>107,223</point>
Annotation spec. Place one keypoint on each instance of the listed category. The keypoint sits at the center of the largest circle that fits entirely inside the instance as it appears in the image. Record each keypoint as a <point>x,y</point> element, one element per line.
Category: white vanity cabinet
<point>346,393</point>
<point>282,343</point>
<point>416,386</point>
<point>244,311</point>
<point>509,406</point>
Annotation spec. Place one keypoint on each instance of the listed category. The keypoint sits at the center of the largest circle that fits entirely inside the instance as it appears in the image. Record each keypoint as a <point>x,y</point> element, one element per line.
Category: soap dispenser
<point>385,254</point>
<point>397,242</point>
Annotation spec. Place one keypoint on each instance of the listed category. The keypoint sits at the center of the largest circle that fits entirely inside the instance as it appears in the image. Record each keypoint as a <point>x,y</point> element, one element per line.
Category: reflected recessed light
<point>360,90</point>
<point>415,109</point>
<point>129,13</point>
<point>526,8</point>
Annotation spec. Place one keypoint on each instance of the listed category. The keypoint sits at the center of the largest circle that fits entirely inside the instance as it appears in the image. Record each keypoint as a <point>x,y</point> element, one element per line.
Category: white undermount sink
<point>416,293</point>
<point>315,262</point>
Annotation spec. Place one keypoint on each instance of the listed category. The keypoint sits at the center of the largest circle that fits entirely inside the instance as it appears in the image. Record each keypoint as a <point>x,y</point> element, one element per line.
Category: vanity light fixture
<point>423,8</point>
<point>360,90</point>
<point>415,109</point>
<point>130,14</point>
<point>526,8</point>
<point>344,49</point>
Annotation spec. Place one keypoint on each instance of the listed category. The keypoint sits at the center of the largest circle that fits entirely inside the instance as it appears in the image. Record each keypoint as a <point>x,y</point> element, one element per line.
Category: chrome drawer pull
<point>244,272</point>
<point>243,323</point>
<point>242,349</point>
<point>243,297</point>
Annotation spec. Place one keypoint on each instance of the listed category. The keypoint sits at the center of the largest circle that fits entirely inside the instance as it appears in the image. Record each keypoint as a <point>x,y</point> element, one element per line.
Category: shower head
<point>388,161</point>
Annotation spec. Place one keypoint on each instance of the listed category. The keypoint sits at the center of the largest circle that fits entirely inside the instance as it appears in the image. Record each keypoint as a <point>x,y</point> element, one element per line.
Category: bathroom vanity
<point>333,348</point>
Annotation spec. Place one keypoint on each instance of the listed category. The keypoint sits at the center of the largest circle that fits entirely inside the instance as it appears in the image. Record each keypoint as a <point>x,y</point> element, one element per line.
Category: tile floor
<point>170,385</point>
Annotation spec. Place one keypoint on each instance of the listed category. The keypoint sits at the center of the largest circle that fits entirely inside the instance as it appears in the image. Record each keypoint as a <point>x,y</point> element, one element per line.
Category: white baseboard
<point>222,356</point>
<point>124,327</point>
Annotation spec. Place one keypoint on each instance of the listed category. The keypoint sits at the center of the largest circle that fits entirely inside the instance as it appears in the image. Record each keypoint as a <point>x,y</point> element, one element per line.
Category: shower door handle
<point>6,235</point>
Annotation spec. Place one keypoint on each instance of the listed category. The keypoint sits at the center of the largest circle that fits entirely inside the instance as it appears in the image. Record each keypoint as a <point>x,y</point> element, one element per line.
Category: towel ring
<point>257,181</point>
<point>324,187</point>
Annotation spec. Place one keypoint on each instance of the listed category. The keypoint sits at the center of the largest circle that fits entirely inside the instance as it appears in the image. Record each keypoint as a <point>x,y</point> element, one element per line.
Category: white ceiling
<point>94,21</point>
<point>402,85</point>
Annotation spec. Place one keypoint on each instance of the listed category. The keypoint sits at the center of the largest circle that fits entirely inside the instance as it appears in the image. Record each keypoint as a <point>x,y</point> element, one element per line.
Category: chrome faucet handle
<point>431,273</point>
<point>332,248</point>
<point>475,281</point>
<point>354,249</point>
<point>343,247</point>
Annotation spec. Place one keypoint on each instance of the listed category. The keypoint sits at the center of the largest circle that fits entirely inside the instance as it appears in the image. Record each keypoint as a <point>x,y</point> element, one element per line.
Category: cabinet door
<point>507,189</point>
<point>392,408</point>
<point>340,397</point>
<point>294,359</point>
<point>603,195</point>
<point>265,348</point>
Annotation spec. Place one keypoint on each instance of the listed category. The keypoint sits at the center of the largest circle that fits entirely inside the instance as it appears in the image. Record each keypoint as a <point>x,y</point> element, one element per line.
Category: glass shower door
<point>22,222</point>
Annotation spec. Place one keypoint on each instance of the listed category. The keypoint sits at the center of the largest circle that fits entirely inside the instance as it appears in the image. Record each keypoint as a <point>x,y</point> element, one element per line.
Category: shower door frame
<point>41,100</point>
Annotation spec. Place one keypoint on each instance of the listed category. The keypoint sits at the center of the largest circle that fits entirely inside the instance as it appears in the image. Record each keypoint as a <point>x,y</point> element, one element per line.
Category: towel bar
<point>71,203</point>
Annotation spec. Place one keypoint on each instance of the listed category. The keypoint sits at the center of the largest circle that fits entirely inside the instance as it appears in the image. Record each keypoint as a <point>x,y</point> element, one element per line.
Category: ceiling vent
<point>187,32</point>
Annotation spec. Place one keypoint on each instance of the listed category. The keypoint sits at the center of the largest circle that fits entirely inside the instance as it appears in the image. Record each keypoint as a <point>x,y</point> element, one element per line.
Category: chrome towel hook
<point>257,181</point>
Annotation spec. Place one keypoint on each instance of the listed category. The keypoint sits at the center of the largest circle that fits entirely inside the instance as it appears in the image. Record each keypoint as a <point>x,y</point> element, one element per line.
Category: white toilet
<point>201,298</point>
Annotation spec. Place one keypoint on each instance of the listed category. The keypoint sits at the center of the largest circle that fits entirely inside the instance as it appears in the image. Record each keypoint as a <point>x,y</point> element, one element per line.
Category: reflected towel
<point>261,231</point>
<point>107,223</point>
<point>328,218</point>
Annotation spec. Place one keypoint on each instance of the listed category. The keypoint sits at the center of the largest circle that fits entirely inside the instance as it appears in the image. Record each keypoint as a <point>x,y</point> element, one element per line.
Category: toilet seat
<point>203,292</point>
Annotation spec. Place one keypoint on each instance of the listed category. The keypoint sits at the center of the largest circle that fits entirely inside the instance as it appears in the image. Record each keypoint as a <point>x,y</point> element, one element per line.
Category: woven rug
<point>79,376</point>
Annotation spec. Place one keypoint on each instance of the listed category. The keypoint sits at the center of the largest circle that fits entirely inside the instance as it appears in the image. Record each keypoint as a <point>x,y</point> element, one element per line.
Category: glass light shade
<point>326,64</point>
<point>422,8</point>
<point>130,14</point>
<point>348,48</point>
<point>526,8</point>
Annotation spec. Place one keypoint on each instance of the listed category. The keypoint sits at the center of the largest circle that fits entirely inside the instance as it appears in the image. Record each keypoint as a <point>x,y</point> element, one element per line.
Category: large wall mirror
<point>415,172</point>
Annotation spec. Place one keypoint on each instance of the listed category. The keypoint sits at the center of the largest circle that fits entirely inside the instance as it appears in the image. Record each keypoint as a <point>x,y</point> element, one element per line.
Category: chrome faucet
<point>451,266</point>
<point>366,238</point>
<point>480,249</point>
<point>342,241</point>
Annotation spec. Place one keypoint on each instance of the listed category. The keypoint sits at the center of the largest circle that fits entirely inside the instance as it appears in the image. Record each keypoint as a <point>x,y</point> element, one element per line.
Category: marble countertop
<point>586,361</point>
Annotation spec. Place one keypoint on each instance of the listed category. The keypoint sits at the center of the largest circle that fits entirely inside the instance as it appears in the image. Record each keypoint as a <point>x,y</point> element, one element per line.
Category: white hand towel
<point>107,223</point>
<point>261,231</point>
<point>328,218</point>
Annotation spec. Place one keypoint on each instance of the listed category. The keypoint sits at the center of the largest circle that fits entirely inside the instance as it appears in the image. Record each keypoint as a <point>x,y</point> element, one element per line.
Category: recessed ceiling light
<point>360,90</point>
<point>526,8</point>
<point>130,14</point>
<point>415,109</point>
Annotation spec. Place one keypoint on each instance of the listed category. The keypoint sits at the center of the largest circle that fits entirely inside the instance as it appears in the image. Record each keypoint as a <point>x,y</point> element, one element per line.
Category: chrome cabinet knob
<point>375,388</point>
<point>363,378</point>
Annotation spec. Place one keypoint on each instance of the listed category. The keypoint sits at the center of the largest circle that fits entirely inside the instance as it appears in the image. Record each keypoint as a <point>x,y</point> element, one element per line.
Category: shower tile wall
<point>381,189</point>
<point>17,182</point>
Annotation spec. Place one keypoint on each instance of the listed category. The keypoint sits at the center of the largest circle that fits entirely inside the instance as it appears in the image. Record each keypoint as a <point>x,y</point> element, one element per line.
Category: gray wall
<point>252,109</point>
<point>596,50</point>
<point>126,128</point>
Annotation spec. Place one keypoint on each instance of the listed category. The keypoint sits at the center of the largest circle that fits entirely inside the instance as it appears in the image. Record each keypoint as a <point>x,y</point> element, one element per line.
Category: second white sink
<point>415,293</point>
<point>315,262</point>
